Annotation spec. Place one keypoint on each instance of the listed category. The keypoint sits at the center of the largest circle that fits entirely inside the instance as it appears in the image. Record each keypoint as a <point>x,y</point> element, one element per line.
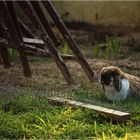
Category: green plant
<point>112,47</point>
<point>96,49</point>
<point>65,48</point>
<point>31,117</point>
<point>13,54</point>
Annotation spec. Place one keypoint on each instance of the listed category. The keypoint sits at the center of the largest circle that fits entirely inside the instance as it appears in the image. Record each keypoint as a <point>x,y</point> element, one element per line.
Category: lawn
<point>28,115</point>
<point>25,112</point>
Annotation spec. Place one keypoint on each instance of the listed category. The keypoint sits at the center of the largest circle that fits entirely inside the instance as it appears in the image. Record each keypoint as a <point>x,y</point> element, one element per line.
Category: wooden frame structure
<point>15,34</point>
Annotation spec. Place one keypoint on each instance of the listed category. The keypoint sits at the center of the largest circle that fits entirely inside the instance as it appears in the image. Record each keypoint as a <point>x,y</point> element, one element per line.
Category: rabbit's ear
<point>103,87</point>
<point>117,82</point>
<point>102,82</point>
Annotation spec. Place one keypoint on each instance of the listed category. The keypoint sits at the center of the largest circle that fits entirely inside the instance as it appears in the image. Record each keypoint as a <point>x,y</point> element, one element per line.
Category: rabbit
<point>118,84</point>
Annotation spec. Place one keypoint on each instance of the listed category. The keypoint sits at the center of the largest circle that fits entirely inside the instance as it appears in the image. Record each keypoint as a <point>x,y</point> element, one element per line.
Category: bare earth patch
<point>46,75</point>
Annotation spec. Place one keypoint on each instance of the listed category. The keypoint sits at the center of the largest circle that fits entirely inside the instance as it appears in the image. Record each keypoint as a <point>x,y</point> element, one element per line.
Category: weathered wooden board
<point>31,41</point>
<point>109,113</point>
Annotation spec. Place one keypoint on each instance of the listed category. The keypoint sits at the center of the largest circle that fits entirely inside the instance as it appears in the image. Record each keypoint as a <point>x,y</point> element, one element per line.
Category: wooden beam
<point>109,113</point>
<point>72,44</point>
<point>25,30</point>
<point>29,12</point>
<point>5,57</point>
<point>8,21</point>
<point>50,45</point>
<point>18,38</point>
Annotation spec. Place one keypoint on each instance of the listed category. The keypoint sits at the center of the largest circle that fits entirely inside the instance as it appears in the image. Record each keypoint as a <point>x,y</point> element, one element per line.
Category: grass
<point>13,54</point>
<point>65,49</point>
<point>111,51</point>
<point>28,115</point>
<point>113,47</point>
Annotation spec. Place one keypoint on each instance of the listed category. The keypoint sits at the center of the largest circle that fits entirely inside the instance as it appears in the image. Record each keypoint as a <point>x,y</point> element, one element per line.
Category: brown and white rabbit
<point>118,84</point>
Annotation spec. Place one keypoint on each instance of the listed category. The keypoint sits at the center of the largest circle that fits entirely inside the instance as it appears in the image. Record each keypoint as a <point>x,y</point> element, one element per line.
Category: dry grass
<point>46,75</point>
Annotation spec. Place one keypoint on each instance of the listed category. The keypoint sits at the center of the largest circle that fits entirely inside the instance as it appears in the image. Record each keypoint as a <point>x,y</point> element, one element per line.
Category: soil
<point>46,75</point>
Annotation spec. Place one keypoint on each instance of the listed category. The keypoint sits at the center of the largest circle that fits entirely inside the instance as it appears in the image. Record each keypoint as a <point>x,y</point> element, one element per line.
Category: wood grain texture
<point>109,113</point>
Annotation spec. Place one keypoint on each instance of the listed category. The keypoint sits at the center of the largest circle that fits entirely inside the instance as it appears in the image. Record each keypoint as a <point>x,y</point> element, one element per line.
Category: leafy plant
<point>65,48</point>
<point>13,54</point>
<point>96,49</point>
<point>112,47</point>
<point>31,117</point>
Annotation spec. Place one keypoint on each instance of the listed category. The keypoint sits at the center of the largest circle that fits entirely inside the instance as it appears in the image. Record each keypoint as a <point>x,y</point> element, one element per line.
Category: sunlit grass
<point>29,116</point>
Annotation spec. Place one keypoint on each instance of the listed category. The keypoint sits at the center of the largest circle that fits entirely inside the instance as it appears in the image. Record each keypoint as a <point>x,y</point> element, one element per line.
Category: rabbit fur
<point>118,84</point>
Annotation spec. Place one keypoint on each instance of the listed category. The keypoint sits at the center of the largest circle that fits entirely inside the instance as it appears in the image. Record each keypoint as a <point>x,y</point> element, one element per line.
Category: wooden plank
<point>109,113</point>
<point>39,43</point>
<point>31,50</point>
<point>3,41</point>
<point>33,41</point>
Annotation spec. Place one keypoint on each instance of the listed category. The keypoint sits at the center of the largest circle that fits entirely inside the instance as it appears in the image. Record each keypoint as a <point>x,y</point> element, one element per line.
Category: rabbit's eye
<point>106,80</point>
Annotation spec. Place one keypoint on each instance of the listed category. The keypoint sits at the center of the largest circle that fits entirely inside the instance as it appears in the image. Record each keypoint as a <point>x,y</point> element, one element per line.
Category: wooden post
<point>29,12</point>
<point>5,57</point>
<point>59,23</point>
<point>25,30</point>
<point>15,33</point>
<point>57,58</point>
<point>25,64</point>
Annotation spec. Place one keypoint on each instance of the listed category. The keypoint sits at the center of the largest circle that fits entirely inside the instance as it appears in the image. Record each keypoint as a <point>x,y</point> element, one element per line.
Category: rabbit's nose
<point>111,80</point>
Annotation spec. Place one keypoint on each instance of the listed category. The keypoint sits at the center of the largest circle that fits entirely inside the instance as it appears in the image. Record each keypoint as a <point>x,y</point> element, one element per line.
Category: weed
<point>96,49</point>
<point>13,54</point>
<point>65,48</point>
<point>112,48</point>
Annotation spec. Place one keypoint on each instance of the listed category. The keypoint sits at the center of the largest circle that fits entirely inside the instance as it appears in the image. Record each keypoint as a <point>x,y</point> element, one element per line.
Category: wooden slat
<point>35,42</point>
<point>109,113</point>
<point>31,50</point>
